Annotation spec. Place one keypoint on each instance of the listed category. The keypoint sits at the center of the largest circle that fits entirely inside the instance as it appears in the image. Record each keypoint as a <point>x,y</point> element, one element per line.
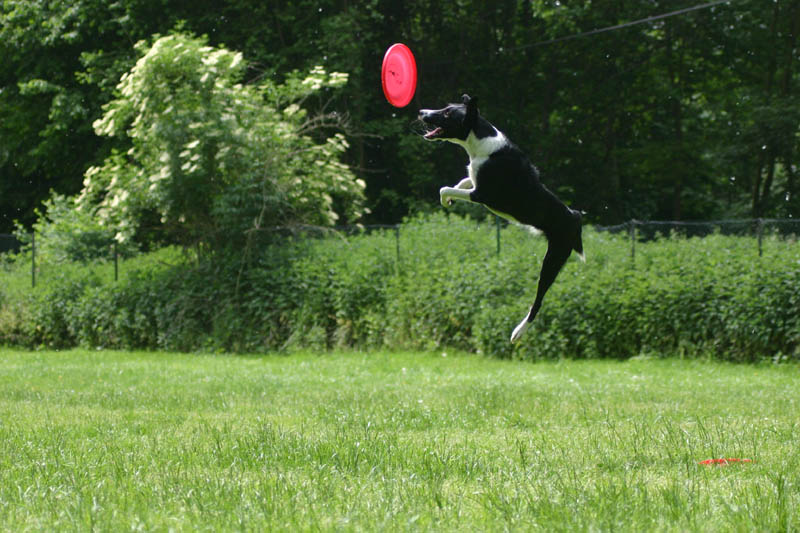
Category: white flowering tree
<point>213,158</point>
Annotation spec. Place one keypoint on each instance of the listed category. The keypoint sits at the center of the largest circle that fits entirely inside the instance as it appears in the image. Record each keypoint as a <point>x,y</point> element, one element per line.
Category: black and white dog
<point>503,179</point>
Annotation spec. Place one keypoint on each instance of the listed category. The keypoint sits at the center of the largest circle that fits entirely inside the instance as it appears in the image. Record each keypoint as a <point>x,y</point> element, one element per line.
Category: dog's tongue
<point>433,133</point>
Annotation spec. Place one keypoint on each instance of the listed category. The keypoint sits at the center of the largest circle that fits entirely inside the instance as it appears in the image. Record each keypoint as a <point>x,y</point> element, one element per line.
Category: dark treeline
<point>690,116</point>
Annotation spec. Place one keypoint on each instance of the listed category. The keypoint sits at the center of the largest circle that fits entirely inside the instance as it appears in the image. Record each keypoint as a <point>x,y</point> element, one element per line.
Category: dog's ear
<point>472,110</point>
<point>469,101</point>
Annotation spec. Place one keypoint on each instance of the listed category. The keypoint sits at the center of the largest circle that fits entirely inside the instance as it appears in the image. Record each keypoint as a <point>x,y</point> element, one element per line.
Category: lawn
<point>381,441</point>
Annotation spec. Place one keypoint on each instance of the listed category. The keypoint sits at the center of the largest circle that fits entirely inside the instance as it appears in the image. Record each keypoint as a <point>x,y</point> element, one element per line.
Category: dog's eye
<point>447,114</point>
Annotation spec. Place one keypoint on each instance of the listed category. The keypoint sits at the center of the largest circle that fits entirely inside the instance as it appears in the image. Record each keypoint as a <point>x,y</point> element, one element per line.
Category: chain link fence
<point>644,231</point>
<point>638,232</point>
<point>10,244</point>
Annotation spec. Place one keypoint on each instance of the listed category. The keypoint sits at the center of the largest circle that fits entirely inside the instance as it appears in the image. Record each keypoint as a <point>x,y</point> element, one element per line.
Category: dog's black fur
<point>502,178</point>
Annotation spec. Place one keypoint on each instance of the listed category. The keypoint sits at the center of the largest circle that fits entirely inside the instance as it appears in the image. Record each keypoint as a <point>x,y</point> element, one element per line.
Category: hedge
<point>709,297</point>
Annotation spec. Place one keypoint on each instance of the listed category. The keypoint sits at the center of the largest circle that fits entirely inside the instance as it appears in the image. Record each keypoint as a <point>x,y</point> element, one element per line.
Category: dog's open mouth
<point>436,132</point>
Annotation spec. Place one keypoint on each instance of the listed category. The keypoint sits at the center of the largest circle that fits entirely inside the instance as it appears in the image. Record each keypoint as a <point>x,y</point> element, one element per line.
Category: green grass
<point>117,441</point>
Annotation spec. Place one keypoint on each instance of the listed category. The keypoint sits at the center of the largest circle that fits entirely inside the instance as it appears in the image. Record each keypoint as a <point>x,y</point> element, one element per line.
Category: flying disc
<point>724,462</point>
<point>399,75</point>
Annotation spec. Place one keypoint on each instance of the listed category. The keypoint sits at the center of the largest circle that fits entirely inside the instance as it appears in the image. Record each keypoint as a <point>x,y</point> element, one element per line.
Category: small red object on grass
<point>399,75</point>
<point>724,462</point>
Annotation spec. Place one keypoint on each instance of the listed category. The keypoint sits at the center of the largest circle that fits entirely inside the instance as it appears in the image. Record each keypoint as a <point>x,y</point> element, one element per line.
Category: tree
<point>212,158</point>
<point>690,116</point>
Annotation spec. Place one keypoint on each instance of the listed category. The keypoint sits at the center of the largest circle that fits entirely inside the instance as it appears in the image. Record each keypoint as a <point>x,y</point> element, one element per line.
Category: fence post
<point>760,230</point>
<point>116,262</point>
<point>497,224</point>
<point>632,230</point>
<point>33,259</point>
<point>397,245</point>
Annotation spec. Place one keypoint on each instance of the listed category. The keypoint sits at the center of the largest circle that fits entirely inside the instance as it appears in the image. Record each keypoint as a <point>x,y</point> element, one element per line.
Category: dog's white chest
<point>479,151</point>
<point>474,167</point>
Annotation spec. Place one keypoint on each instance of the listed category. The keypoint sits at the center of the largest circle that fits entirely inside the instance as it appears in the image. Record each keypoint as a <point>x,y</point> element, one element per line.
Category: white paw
<point>444,198</point>
<point>520,330</point>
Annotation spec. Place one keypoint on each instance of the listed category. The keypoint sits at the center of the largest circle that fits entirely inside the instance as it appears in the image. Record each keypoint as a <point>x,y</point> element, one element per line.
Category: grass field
<point>151,441</point>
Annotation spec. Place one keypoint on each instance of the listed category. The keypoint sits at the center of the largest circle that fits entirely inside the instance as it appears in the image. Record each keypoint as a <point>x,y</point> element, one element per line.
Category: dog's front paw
<point>444,198</point>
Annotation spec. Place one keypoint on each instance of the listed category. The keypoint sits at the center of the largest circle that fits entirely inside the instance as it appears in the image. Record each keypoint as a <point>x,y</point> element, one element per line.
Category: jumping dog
<point>502,178</point>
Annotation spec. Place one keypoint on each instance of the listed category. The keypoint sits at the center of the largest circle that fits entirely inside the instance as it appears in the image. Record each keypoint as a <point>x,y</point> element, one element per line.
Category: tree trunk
<point>673,66</point>
<point>767,157</point>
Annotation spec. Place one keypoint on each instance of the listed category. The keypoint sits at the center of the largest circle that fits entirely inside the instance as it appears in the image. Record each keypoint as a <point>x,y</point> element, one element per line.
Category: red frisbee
<point>724,462</point>
<point>399,75</point>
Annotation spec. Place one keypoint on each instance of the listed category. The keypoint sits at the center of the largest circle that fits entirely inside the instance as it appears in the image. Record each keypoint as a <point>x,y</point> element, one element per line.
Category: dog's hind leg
<point>520,329</point>
<point>554,260</point>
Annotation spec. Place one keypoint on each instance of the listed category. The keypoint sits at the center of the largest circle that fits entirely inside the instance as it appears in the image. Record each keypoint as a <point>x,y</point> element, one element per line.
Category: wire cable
<point>617,26</point>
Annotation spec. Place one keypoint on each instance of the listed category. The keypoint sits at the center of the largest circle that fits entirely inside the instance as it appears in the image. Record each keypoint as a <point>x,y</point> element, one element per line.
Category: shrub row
<point>710,297</point>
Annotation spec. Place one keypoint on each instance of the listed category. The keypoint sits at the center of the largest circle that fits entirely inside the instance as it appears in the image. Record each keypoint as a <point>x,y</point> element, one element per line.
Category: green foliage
<point>65,234</point>
<point>710,297</point>
<point>208,153</point>
<point>688,117</point>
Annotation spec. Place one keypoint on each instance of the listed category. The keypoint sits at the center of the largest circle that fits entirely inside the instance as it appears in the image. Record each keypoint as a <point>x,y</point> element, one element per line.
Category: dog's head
<point>454,122</point>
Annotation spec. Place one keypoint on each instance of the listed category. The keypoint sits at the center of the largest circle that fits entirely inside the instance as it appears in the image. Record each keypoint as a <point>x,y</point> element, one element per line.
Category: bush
<point>211,158</point>
<point>709,297</point>
<point>65,233</point>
